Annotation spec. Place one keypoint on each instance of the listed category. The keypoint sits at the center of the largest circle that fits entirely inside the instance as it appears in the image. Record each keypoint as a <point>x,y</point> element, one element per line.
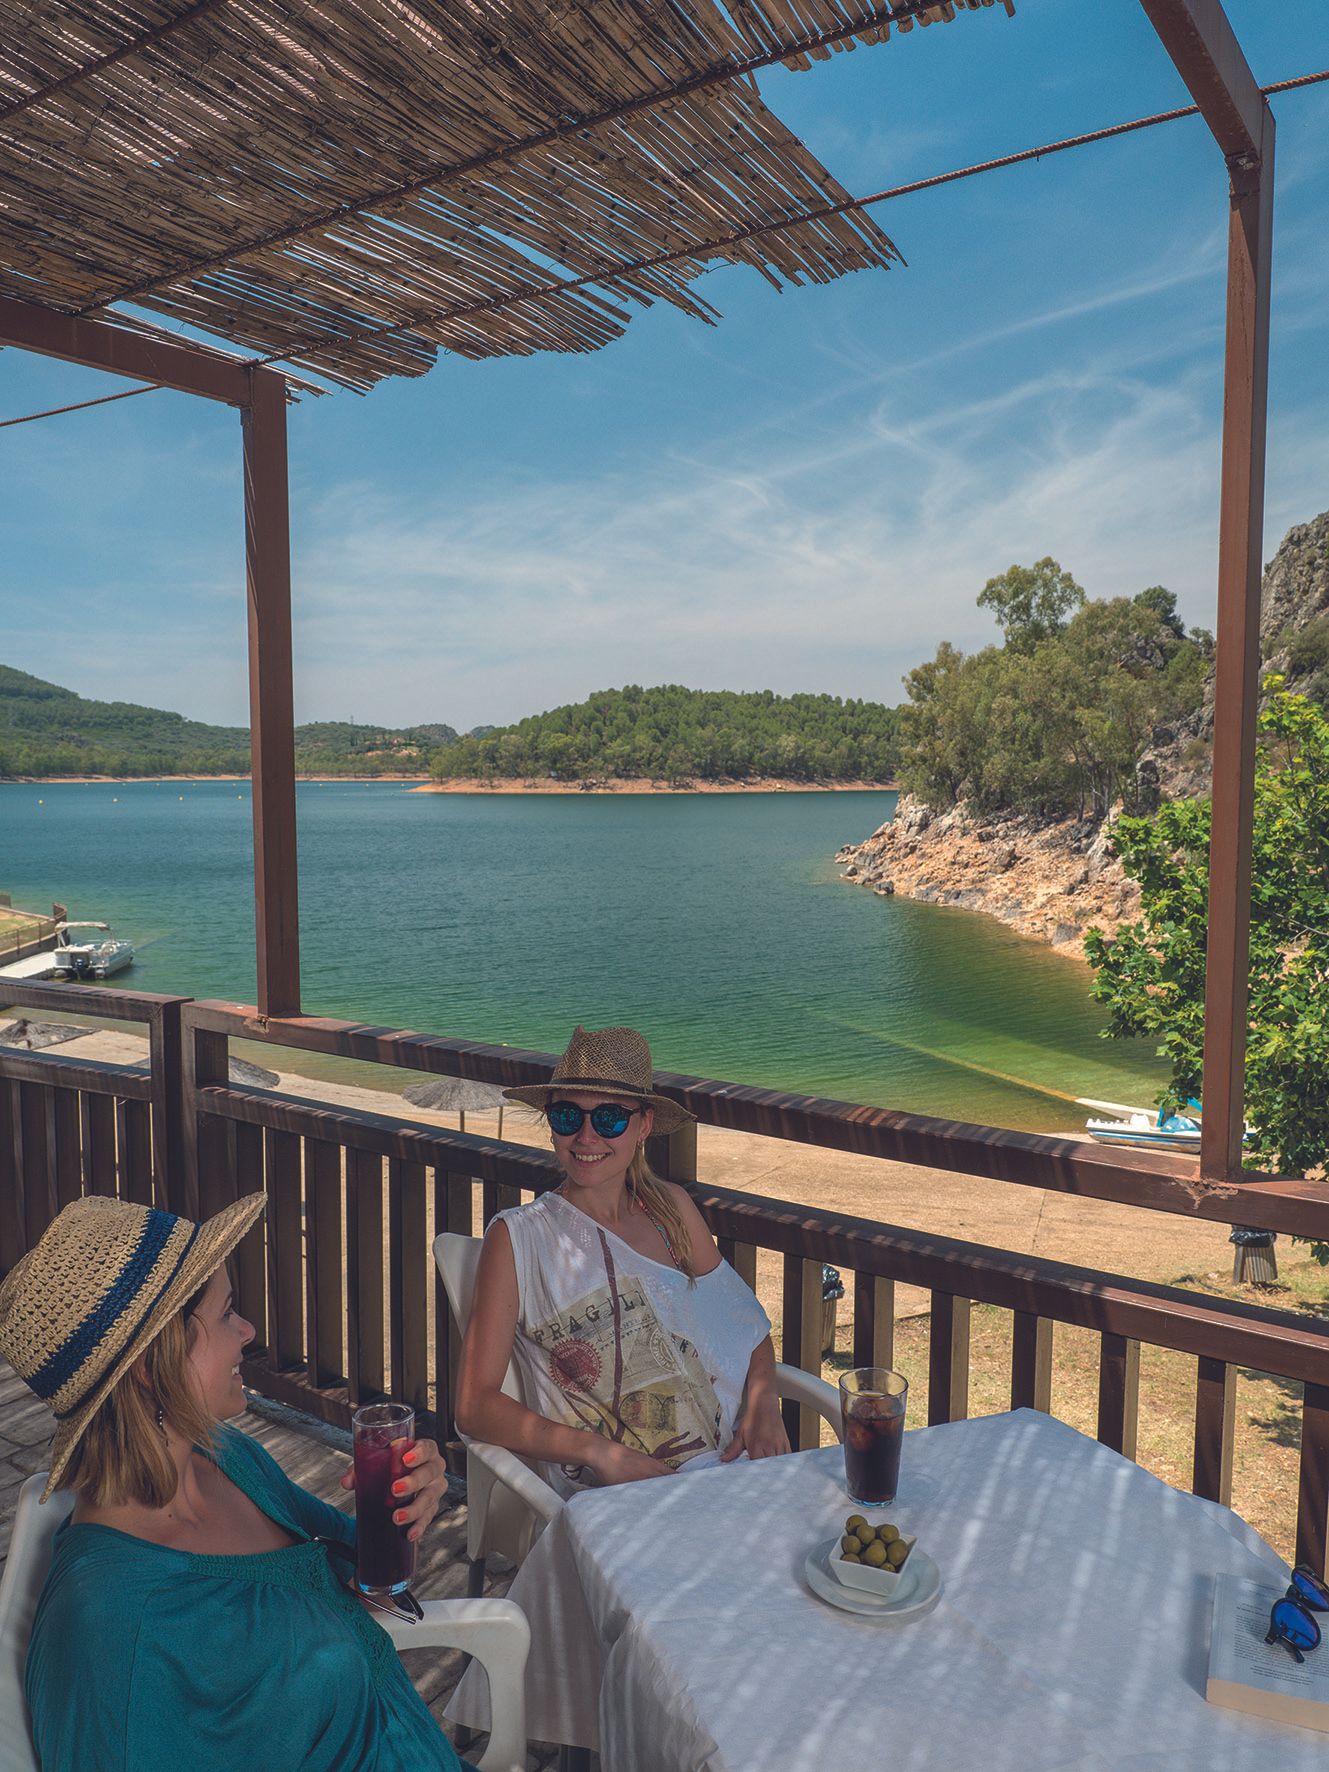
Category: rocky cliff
<point>1053,879</point>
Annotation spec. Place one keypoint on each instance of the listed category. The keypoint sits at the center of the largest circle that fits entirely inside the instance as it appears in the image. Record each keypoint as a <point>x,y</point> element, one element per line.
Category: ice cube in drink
<point>385,1556</point>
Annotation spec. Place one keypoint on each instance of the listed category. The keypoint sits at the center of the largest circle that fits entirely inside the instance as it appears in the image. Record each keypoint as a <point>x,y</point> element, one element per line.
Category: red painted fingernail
<point>399,1488</point>
<point>399,1517</point>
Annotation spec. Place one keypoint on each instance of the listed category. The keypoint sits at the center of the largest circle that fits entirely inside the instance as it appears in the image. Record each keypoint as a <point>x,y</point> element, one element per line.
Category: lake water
<point>717,924</point>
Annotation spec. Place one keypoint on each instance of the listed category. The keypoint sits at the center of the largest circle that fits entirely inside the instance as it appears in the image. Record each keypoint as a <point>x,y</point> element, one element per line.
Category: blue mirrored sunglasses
<point>608,1118</point>
<point>1291,1620</point>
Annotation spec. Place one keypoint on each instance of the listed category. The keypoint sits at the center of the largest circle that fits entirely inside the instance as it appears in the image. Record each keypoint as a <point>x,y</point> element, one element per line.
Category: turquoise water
<point>717,924</point>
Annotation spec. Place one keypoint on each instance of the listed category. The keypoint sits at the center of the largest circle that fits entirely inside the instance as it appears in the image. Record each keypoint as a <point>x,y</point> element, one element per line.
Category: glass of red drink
<point>872,1402</point>
<point>385,1556</point>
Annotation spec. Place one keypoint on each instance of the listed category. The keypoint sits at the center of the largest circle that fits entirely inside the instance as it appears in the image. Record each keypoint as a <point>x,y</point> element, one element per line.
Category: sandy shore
<point>474,784</point>
<point>1097,1234</point>
<point>55,781</point>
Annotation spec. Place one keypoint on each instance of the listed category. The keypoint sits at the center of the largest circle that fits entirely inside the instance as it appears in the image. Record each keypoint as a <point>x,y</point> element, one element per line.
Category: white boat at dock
<point>89,959</point>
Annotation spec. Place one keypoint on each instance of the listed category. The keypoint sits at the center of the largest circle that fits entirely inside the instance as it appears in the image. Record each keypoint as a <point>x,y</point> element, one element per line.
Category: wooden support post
<point>1236,670</point>
<point>271,696</point>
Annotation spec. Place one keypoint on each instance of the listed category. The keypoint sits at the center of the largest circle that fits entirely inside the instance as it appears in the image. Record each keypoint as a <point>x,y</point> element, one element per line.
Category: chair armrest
<point>804,1387</point>
<point>496,1633</point>
<point>506,1468</point>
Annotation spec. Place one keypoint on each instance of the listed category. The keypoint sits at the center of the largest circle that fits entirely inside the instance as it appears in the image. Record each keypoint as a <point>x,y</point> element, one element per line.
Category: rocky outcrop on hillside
<point>1294,606</point>
<point>1053,879</point>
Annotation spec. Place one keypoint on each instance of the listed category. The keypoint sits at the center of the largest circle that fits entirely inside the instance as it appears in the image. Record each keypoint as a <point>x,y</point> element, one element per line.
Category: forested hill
<point>49,731</point>
<point>676,734</point>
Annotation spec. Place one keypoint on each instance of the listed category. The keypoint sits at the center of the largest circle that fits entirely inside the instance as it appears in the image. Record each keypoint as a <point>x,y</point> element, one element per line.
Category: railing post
<point>1313,1497</point>
<point>1215,1424</point>
<point>165,1042</point>
<point>874,1321</point>
<point>204,1061</point>
<point>1031,1362</point>
<point>948,1359</point>
<point>673,1155</point>
<point>1119,1393</point>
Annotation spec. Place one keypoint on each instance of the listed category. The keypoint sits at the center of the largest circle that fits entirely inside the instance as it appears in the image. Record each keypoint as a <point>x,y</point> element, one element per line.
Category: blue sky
<point>808,496</point>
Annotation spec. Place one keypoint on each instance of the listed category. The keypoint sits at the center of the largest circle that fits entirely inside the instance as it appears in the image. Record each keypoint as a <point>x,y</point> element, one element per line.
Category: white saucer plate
<point>911,1601</point>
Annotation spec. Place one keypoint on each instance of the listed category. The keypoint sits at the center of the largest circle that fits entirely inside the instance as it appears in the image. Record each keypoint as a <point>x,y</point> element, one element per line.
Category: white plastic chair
<point>507,1502</point>
<point>495,1632</point>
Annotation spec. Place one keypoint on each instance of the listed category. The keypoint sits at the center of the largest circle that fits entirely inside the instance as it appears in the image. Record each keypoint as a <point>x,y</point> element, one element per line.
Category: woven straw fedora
<point>607,1061</point>
<point>104,1280</point>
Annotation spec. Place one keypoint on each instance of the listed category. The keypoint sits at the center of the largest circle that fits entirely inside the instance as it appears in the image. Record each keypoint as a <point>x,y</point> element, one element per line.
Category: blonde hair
<point>646,1187</point>
<point>122,1454</point>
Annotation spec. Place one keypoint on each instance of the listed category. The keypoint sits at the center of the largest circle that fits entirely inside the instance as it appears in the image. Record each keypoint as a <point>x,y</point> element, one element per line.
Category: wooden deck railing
<point>72,1126</point>
<point>342,1289</point>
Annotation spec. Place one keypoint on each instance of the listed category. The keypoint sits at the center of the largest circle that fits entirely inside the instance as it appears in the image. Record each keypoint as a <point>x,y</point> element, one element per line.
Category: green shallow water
<point>717,924</point>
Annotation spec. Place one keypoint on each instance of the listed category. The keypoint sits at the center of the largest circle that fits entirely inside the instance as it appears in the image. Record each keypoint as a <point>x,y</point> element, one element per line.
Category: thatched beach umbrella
<point>456,1095</point>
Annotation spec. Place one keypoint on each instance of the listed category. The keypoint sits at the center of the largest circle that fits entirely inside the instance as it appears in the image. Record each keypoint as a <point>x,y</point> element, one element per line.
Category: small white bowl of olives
<point>872,1557</point>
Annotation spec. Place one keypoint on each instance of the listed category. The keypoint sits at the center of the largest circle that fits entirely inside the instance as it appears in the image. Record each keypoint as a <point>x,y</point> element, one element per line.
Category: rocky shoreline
<point>1054,879</point>
<point>1050,879</point>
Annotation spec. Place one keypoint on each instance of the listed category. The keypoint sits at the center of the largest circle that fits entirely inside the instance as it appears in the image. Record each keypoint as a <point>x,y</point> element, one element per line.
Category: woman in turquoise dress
<point>196,1611</point>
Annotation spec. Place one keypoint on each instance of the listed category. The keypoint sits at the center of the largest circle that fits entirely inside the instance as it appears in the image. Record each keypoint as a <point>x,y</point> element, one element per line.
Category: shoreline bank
<point>463,784</point>
<point>1047,879</point>
<point>74,781</point>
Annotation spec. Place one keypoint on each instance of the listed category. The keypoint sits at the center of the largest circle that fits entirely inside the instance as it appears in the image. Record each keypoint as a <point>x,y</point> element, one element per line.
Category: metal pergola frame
<point>1201,43</point>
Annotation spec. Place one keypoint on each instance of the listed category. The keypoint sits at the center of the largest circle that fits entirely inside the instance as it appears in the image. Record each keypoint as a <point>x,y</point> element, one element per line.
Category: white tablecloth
<point>672,1628</point>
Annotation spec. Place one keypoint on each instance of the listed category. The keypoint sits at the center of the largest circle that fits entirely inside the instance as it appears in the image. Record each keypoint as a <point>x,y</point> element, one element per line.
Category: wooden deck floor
<point>315,1456</point>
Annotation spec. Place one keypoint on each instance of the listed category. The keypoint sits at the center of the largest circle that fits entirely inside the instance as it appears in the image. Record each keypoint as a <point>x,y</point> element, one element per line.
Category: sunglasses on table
<point>1292,1619</point>
<point>608,1118</point>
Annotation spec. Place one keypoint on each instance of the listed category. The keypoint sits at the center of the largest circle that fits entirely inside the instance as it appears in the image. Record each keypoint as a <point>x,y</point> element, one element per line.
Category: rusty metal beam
<point>1202,44</point>
<point>1236,686</point>
<point>97,345</point>
<point>271,695</point>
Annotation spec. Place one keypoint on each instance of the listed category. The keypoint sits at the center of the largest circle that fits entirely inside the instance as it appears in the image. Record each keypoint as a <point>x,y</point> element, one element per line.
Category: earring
<point>161,1421</point>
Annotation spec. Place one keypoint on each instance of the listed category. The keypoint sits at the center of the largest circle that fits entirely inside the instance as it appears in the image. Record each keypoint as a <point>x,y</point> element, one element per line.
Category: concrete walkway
<point>313,1455</point>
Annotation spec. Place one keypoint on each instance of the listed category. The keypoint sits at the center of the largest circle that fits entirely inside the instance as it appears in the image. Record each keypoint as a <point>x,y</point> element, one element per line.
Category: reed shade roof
<point>302,180</point>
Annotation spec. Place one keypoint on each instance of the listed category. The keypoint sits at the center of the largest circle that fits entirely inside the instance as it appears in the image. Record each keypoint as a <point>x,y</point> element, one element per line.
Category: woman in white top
<point>640,1350</point>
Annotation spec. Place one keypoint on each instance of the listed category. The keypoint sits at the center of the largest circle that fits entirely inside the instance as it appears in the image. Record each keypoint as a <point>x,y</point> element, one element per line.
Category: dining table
<point>674,1627</point>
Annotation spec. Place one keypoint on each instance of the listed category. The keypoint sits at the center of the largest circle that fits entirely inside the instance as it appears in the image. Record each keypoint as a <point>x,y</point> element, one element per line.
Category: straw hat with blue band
<point>103,1281</point>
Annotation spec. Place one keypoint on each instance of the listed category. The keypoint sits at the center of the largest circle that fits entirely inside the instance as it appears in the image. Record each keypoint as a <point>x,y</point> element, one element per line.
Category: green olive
<point>854,1522</point>
<point>888,1534</point>
<point>875,1553</point>
<point>896,1553</point>
<point>852,1557</point>
<point>865,1534</point>
<point>849,1545</point>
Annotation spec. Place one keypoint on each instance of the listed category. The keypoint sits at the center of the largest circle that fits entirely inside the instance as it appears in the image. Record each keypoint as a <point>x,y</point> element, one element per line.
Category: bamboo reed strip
<point>229,165</point>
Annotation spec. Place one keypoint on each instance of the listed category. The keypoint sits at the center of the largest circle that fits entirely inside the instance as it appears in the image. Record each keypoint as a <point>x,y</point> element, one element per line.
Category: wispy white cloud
<point>827,564</point>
